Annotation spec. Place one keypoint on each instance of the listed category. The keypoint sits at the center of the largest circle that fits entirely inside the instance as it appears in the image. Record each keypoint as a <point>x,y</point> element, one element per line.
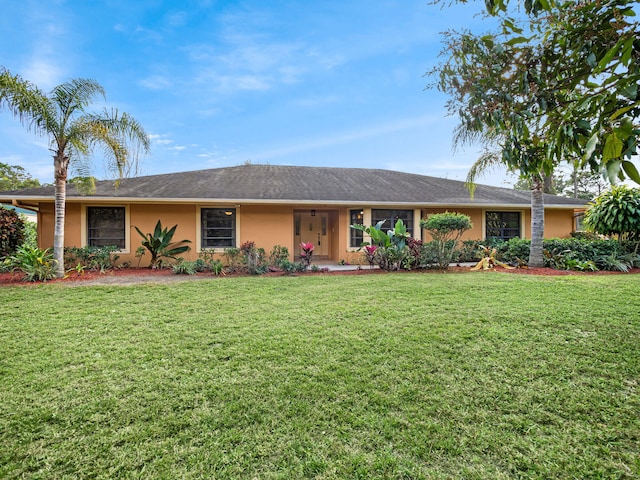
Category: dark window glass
<point>218,227</point>
<point>504,225</point>
<point>356,236</point>
<point>106,226</point>
<point>391,217</point>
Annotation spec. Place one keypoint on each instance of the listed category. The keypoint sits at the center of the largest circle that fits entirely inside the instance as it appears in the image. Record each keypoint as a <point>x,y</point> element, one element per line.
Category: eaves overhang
<point>33,201</point>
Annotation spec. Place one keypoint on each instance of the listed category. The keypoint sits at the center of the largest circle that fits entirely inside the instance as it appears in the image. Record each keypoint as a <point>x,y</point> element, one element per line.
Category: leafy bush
<point>292,267</point>
<point>92,258</point>
<point>37,265</point>
<point>182,267</point>
<point>616,212</point>
<point>278,255</point>
<point>11,232</point>
<point>233,259</point>
<point>446,229</point>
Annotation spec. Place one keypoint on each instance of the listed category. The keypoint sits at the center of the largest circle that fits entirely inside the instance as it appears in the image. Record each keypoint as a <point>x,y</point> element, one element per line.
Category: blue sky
<point>219,83</point>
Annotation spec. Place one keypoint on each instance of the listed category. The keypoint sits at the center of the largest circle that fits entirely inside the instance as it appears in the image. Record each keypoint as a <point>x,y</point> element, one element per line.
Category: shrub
<point>446,229</point>
<point>233,258</point>
<point>278,255</point>
<point>92,258</point>
<point>306,253</point>
<point>37,265</point>
<point>182,267</point>
<point>11,232</point>
<point>616,212</point>
<point>292,267</point>
<point>253,258</point>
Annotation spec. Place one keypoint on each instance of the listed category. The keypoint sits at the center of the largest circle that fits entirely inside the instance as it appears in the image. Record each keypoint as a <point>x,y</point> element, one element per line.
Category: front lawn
<point>481,375</point>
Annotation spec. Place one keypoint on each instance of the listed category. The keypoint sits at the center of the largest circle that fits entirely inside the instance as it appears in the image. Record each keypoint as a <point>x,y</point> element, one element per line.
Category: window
<point>356,217</point>
<point>106,227</point>
<point>391,217</point>
<point>504,225</point>
<point>218,227</point>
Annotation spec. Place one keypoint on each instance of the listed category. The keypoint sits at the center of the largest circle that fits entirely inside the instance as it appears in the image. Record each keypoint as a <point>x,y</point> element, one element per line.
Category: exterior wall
<point>266,225</point>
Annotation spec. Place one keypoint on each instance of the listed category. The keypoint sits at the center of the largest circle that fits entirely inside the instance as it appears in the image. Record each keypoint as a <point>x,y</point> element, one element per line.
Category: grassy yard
<point>408,376</point>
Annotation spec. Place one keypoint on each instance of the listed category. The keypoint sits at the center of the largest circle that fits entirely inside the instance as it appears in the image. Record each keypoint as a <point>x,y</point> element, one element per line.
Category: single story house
<point>283,205</point>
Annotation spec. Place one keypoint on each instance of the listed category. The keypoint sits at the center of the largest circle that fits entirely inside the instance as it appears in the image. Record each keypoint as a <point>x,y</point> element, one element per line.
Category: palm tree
<point>535,155</point>
<point>73,133</point>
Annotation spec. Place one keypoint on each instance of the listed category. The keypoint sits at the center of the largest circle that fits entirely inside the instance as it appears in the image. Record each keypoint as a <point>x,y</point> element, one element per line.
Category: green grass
<point>415,376</point>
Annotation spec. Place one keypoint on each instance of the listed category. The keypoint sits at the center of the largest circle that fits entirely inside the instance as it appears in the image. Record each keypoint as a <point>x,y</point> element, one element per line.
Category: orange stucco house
<point>282,205</point>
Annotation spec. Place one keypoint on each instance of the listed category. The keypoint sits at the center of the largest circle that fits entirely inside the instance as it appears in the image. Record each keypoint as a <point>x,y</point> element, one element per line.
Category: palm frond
<point>121,137</point>
<point>489,159</point>
<point>26,102</point>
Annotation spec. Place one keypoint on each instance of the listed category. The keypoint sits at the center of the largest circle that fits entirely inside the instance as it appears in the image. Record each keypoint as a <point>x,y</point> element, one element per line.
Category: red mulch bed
<point>128,276</point>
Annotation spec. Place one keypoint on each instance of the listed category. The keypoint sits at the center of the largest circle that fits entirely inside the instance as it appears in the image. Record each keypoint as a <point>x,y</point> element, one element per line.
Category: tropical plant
<point>38,265</point>
<point>489,260</point>
<point>160,244</point>
<point>446,229</point>
<point>616,212</point>
<point>306,253</point>
<point>391,245</point>
<point>11,231</point>
<point>73,132</point>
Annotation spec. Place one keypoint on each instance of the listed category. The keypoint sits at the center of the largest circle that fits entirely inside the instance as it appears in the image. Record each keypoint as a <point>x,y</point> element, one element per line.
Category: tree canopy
<point>572,68</point>
<point>15,177</point>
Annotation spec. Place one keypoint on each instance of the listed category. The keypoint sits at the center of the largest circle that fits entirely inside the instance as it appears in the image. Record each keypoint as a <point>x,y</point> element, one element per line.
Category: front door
<point>312,228</point>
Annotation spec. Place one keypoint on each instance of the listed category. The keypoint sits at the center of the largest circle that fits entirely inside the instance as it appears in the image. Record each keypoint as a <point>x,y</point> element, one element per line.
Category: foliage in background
<point>446,229</point>
<point>11,231</point>
<point>15,177</point>
<point>36,264</point>
<point>582,184</point>
<point>91,257</point>
<point>616,212</point>
<point>160,244</point>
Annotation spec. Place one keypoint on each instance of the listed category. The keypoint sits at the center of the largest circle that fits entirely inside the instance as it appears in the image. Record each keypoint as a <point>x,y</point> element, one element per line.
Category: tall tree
<point>73,133</point>
<point>14,177</point>
<point>558,82</point>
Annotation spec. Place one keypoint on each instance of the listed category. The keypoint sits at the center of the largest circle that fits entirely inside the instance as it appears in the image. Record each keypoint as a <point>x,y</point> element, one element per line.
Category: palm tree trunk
<point>536,257</point>
<point>60,171</point>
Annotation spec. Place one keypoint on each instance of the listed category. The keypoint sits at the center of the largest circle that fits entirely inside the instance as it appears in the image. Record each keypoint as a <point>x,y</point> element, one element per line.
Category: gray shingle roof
<point>276,183</point>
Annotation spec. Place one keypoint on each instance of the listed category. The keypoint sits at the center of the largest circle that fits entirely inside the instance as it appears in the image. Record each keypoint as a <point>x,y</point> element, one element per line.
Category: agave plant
<point>160,246</point>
